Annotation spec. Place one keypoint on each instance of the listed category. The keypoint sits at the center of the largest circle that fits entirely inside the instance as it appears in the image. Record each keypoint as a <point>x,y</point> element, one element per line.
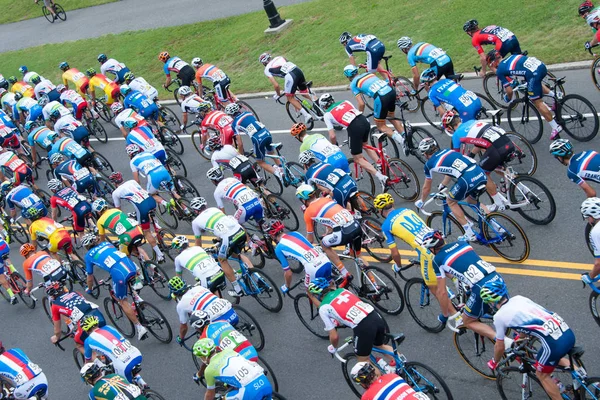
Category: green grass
<point>549,29</point>
<point>13,11</point>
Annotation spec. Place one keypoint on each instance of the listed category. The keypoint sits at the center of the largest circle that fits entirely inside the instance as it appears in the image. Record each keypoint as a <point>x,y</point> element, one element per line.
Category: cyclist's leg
<point>119,286</point>
<point>550,355</point>
<point>262,142</point>
<point>458,192</point>
<point>328,242</point>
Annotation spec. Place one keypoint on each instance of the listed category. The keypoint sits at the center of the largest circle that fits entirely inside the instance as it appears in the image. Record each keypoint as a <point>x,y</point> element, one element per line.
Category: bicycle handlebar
<point>441,195</point>
<point>336,354</point>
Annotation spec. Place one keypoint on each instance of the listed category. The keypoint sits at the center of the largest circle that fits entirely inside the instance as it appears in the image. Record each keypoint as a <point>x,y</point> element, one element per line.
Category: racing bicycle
<point>17,284</point>
<point>311,106</point>
<point>210,95</point>
<point>59,12</point>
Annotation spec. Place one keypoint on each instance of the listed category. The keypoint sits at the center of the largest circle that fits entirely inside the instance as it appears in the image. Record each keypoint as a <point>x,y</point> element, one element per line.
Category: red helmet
<point>447,118</point>
<point>274,227</point>
<point>116,177</point>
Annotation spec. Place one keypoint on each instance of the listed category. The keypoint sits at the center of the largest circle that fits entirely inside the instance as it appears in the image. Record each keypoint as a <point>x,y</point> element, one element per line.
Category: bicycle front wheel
<point>578,117</point>
<point>374,240</point>
<point>269,181</point>
<point>382,290</point>
<point>98,131</point>
<point>164,237</point>
<point>494,90</point>
<point>167,216</point>
<point>506,237</point>
<point>170,119</point>
<point>364,179</point>
<point>430,114</point>
<point>157,280</point>
<point>20,283</point>
<point>402,181</point>
<point>475,350</point>
<point>152,395</point>
<point>422,305</point>
<point>308,313</point>
<point>524,160</point>
<point>295,116</point>
<point>418,134</point>
<point>102,164</point>
<point>387,143</point>
<point>525,119</point>
<point>403,88</point>
<point>155,321</point>
<point>595,70</point>
<point>279,209</point>
<point>295,172</point>
<point>196,139</point>
<point>249,327</point>
<point>171,140</point>
<point>244,106</point>
<point>176,164</point>
<point>60,12</point>
<point>512,383</point>
<point>595,306</point>
<point>47,14</point>
<point>264,290</point>
<point>539,207</point>
<point>118,318</point>
<point>351,361</point>
<point>78,269</point>
<point>446,224</point>
<point>424,379</point>
<point>184,187</point>
<point>19,233</point>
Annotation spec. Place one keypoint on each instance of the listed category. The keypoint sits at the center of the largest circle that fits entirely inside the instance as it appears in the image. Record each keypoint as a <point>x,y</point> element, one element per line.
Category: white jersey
<point>71,97</point>
<point>67,125</point>
<point>111,66</point>
<point>214,220</point>
<point>128,113</point>
<point>279,67</point>
<point>595,240</point>
<point>201,264</point>
<point>129,190</point>
<point>200,298</point>
<point>43,88</point>
<point>110,343</point>
<point>54,105</point>
<point>190,104</point>
<point>139,84</point>
<point>235,192</point>
<point>222,156</point>
<point>28,75</point>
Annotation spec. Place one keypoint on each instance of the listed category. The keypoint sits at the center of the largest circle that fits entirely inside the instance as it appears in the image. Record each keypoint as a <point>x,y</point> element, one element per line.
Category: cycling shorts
<point>53,95</point>
<point>350,234</point>
<point>384,105</point>
<point>81,107</point>
<point>471,112</point>
<point>155,178</point>
<point>11,141</point>
<point>468,184</point>
<point>127,370</point>
<point>80,211</point>
<point>261,141</point>
<point>311,272</point>
<point>81,135</point>
<point>375,51</point>
<point>129,240</point>
<point>293,81</point>
<point>534,84</point>
<point>187,76</point>
<point>25,175</point>
<point>120,279</point>
<point>59,240</point>
<point>113,96</point>
<point>86,184</point>
<point>233,244</point>
<point>246,173</point>
<point>343,190</point>
<point>340,161</point>
<point>161,155</point>
<point>259,388</point>
<point>80,334</point>
<point>214,282</point>
<point>228,316</point>
<point>150,112</point>
<point>368,333</point>
<point>35,113</point>
<point>443,70</point>
<point>120,75</point>
<point>142,211</point>
<point>221,88</point>
<point>251,210</point>
<point>552,350</point>
<point>87,160</point>
<point>358,133</point>
<point>475,307</point>
<point>497,153</point>
<point>32,386</point>
<point>511,46</point>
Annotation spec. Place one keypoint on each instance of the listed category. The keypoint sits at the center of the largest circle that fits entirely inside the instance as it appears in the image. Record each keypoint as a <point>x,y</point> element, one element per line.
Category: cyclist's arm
<point>596,268</point>
<point>275,85</point>
<point>210,394</point>
<point>441,110</point>
<point>589,191</point>
<point>352,59</point>
<point>360,103</point>
<point>442,295</point>
<point>483,64</point>
<point>426,189</point>
<point>168,80</point>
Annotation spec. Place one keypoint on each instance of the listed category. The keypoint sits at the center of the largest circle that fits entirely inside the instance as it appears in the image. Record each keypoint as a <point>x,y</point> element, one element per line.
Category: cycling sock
<point>163,203</point>
<point>498,198</point>
<point>554,124</point>
<point>138,326</point>
<point>398,138</point>
<point>236,286</point>
<point>10,292</point>
<point>380,176</point>
<point>157,250</point>
<point>551,93</point>
<point>342,269</point>
<point>468,228</point>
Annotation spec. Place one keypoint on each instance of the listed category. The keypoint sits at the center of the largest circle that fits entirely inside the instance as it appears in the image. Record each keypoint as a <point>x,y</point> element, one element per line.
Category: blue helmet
<point>130,123</point>
<point>350,71</point>
<point>428,75</point>
<point>493,291</point>
<point>317,285</point>
<point>23,69</point>
<point>125,89</point>
<point>561,148</point>
<point>29,125</point>
<point>52,136</point>
<point>99,205</point>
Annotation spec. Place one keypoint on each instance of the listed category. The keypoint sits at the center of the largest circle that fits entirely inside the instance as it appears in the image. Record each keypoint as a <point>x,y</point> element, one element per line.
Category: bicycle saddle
<point>386,57</point>
<point>558,81</point>
<point>308,84</point>
<point>493,113</point>
<point>380,137</point>
<point>577,351</point>
<point>524,53</point>
<point>456,77</point>
<point>276,146</point>
<point>403,105</point>
<point>396,338</point>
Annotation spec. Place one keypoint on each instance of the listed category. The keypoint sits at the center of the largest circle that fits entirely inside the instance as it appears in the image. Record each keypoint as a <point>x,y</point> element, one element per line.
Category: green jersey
<point>115,387</point>
<point>320,146</point>
<point>232,369</point>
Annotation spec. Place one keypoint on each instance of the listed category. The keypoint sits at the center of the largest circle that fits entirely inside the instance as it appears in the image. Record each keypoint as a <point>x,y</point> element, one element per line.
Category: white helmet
<point>325,101</point>
<point>427,145</point>
<point>214,174</point>
<point>197,61</point>
<point>184,91</point>
<point>305,157</point>
<point>197,203</point>
<point>404,42</point>
<point>591,207</point>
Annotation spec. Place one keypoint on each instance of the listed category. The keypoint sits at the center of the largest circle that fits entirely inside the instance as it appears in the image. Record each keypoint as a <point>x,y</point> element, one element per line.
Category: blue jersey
<point>584,166</point>
<point>147,164</point>
<point>24,198</point>
<point>450,94</point>
<point>69,148</point>
<point>460,260</point>
<point>17,368</point>
<point>426,53</point>
<point>370,85</point>
<point>325,175</point>
<point>140,103</point>
<point>40,136</point>
<point>247,124</point>
<point>72,171</point>
<point>107,257</point>
<point>6,120</point>
<point>518,65</point>
<point>452,163</point>
<point>361,42</point>
<point>461,132</point>
<point>174,64</point>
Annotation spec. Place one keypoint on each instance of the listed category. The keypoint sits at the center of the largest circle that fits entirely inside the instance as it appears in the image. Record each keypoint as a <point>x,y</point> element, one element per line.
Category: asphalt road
<point>303,367</point>
<point>121,16</point>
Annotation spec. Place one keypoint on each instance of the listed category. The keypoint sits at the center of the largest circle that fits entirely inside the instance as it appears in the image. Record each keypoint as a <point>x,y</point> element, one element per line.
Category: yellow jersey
<point>74,77</point>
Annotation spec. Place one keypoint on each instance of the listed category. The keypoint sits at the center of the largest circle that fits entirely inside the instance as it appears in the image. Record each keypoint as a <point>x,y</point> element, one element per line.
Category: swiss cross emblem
<point>343,298</point>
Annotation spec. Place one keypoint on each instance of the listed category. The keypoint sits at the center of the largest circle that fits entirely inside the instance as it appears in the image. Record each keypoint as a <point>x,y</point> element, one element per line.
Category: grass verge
<point>13,11</point>
<point>549,29</point>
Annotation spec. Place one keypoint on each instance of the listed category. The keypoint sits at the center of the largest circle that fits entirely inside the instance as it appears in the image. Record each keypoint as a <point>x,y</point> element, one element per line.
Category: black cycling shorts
<point>358,133</point>
<point>237,242</point>
<point>245,173</point>
<point>187,76</point>
<point>86,160</point>
<point>294,80</point>
<point>387,105</point>
<point>368,333</point>
<point>445,70</point>
<point>496,154</point>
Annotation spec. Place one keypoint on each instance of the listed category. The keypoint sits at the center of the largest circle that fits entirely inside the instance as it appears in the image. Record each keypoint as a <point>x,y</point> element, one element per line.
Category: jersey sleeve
<point>427,170</point>
<point>166,68</point>
<point>354,87</point>
<point>53,200</point>
<point>500,327</point>
<point>329,120</point>
<point>387,232</point>
<point>456,141</point>
<point>475,43</point>
<point>411,59</point>
<point>55,313</point>
<point>574,177</point>
<point>434,99</point>
<point>178,266</point>
<point>308,221</point>
<point>27,270</point>
<point>218,199</point>
<point>89,265</point>
<point>436,268</point>
<point>281,257</point>
<point>87,352</point>
<point>116,199</point>
<point>183,314</point>
<point>329,325</point>
<point>196,229</point>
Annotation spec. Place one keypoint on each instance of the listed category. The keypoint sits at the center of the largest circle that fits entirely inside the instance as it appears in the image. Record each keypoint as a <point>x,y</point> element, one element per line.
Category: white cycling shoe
<point>142,333</point>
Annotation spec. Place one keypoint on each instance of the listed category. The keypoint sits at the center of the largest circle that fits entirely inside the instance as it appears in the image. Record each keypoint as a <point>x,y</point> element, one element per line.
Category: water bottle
<point>306,104</point>
<point>382,364</point>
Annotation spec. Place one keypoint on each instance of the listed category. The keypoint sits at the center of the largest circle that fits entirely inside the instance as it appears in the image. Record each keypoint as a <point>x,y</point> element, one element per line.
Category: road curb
<point>467,75</point>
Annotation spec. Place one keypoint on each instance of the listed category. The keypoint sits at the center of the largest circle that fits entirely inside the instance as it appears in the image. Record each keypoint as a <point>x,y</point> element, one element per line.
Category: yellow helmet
<point>383,200</point>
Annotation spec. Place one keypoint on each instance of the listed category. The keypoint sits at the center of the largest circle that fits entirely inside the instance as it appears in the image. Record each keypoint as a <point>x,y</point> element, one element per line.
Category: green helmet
<point>177,286</point>
<point>90,72</point>
<point>204,347</point>
<point>493,291</point>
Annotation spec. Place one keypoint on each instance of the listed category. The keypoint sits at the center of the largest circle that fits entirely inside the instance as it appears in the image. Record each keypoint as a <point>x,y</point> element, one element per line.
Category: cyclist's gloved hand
<point>419,204</point>
<point>586,278</point>
<point>284,289</point>
<point>178,340</point>
<point>331,349</point>
<point>492,364</point>
<point>441,187</point>
<point>275,97</point>
<point>587,45</point>
<point>442,319</point>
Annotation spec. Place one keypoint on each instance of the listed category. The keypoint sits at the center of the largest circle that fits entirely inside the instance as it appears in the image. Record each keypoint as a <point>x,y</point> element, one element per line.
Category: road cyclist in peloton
<point>141,104</point>
<point>73,100</point>
<point>28,75</point>
<point>19,372</point>
<point>69,199</point>
<point>139,84</point>
<point>373,47</point>
<point>143,137</point>
<point>75,77</point>
<point>109,387</point>
<point>55,234</point>
<point>43,87</point>
<point>205,269</point>
<point>50,106</point>
<point>590,209</point>
<point>212,73</point>
<point>22,197</point>
<point>41,264</point>
<point>386,387</point>
<point>6,269</point>
<point>581,167</point>
<point>113,67</point>
<point>426,53</point>
<point>71,127</point>
<point>184,71</point>
<point>122,114</point>
<point>321,148</point>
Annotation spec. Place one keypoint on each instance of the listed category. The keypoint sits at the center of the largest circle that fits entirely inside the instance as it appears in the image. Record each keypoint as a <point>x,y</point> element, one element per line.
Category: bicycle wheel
<point>155,321</point>
<point>170,119</point>
<point>475,350</point>
<point>264,290</point>
<point>364,179</point>
<point>19,233</point>
<point>540,208</point>
<point>269,373</point>
<point>196,139</point>
<point>103,110</point>
<point>308,313</point>
<point>578,117</point>
<point>295,174</point>
<point>595,306</point>
<point>402,181</point>
<point>269,181</point>
<point>97,130</point>
<point>403,88</point>
<point>374,240</point>
<point>47,14</point>
<point>106,188</point>
<point>351,361</point>
<point>506,237</point>
<point>524,160</point>
<point>382,290</point>
<point>184,187</point>
<point>368,101</point>
<point>595,70</point>
<point>280,209</point>
<point>591,390</point>
<point>422,305</point>
<point>152,395</point>
<point>525,119</point>
<point>512,383</point>
<point>60,12</point>
<point>171,140</point>
<point>388,144</point>
<point>158,279</point>
<point>102,164</point>
<point>586,232</point>
<point>44,196</point>
<point>363,202</point>
<point>20,283</point>
<point>164,237</point>
<point>295,116</point>
<point>418,134</point>
<point>118,318</point>
<point>175,164</point>
<point>79,277</point>
<point>446,224</point>
<point>78,358</point>
<point>167,217</point>
<point>244,106</point>
<point>249,327</point>
<point>494,90</point>
<point>431,114</point>
<point>424,379</point>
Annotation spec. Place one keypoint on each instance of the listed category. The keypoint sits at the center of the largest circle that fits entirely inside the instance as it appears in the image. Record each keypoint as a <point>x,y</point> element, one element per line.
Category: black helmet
<point>470,25</point>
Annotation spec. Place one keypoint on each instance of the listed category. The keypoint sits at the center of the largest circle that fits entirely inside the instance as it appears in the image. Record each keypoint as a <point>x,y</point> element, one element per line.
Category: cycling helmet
<point>55,185</point>
<point>214,174</point>
<point>561,148</point>
<point>116,178</point>
<point>177,286</point>
<point>199,319</point>
<point>232,109</point>
<point>102,58</point>
<point>205,106</point>
<point>345,37</point>
<point>325,101</point>
<point>264,58</point>
<point>180,242</point>
<point>26,249</point>
<point>35,79</point>
<point>64,66</point>
<point>99,205</point>
<point>204,347</point>
<point>470,25</point>
<point>350,71</point>
<point>591,207</point>
<point>129,76</point>
<point>88,322</point>
<point>130,123</point>
<point>197,203</point>
<point>43,100</point>
<point>298,129</point>
<point>89,240</point>
<point>363,373</point>
<point>89,372</point>
<point>585,8</point>
<point>429,75</point>
<point>317,285</point>
<point>6,186</point>
<point>273,227</point>
<point>90,72</point>
<point>18,96</point>
<point>55,114</point>
<point>33,213</point>
<point>133,149</point>
<point>184,91</point>
<point>23,69</point>
<point>493,291</point>
<point>56,158</point>
<point>61,88</point>
<point>52,136</point>
<point>305,191</point>
<point>125,90</point>
<point>12,79</point>
<point>593,18</point>
<point>29,126</point>
<point>404,43</point>
<point>432,239</point>
<point>214,142</point>
<point>428,146</point>
<point>54,289</point>
<point>306,157</point>
<point>116,107</point>
<point>197,62</point>
<point>448,118</point>
<point>164,56</point>
<point>383,200</point>
<point>492,56</point>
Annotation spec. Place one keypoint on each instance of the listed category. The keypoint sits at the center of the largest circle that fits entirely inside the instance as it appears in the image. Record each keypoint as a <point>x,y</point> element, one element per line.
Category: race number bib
<point>377,85</point>
<point>312,254</point>
<point>532,64</point>
<point>504,34</point>
<point>366,39</point>
<point>459,165</point>
<point>333,179</point>
<point>137,198</point>
<point>15,164</point>
<point>223,122</point>
<point>30,200</point>
<point>203,265</point>
<point>342,217</point>
<point>468,98</point>
<point>555,326</point>
<point>73,201</point>
<point>120,229</point>
<point>358,312</point>
<point>236,162</point>
<point>218,75</point>
<point>76,314</point>
<point>287,67</point>
<point>145,103</point>
<point>122,351</point>
<point>437,53</point>
<point>78,76</point>
<point>232,340</point>
<point>81,174</point>
<point>492,134</point>
<point>50,267</point>
<point>217,307</point>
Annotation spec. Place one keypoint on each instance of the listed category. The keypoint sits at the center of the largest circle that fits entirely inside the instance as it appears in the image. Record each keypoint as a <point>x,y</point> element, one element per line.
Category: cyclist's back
<point>502,39</point>
<point>326,212</point>
<point>222,156</point>
<point>339,183</point>
<point>200,298</point>
<point>139,84</point>
<point>427,53</point>
<point>295,246</point>
<point>220,121</point>
<point>450,94</point>
<point>41,264</point>
<point>584,166</point>
<point>116,222</point>
<point>26,377</point>
<point>370,85</point>
<point>391,387</point>
<point>56,234</point>
<point>530,68</point>
<point>325,151</point>
<point>202,265</point>
<point>142,104</point>
<point>145,139</point>
<point>243,198</point>
<point>77,78</point>
<point>106,86</point>
<point>115,387</point>
<point>226,337</point>
<point>111,344</point>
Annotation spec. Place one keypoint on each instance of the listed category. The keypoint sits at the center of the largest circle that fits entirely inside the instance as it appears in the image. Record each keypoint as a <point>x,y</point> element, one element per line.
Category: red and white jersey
<point>342,114</point>
<point>200,298</point>
<point>71,97</point>
<point>279,67</point>
<point>217,120</point>
<point>344,307</point>
<point>234,191</point>
<point>392,387</point>
<point>67,125</point>
<point>42,88</point>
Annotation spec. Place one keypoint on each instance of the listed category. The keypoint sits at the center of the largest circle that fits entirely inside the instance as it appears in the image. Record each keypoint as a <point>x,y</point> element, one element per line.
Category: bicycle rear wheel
<point>364,179</point>
<point>578,117</point>
<point>506,237</point>
<point>102,164</point>
<point>19,233</point>
<point>279,209</point>
<point>403,88</point>
<point>402,181</point>
<point>269,373</point>
<point>97,130</point>
<point>19,281</point>
<point>167,217</point>
<point>269,181</point>
<point>47,14</point>
<point>244,106</point>
<point>184,187</point>
<point>486,105</point>
<point>296,117</point>
<point>524,160</point>
<point>308,314</point>
<point>351,361</point>
<point>592,388</point>
<point>176,164</point>
<point>155,321</point>
<point>422,305</point>
<point>249,327</point>
<point>418,134</point>
<point>382,290</point>
<point>595,306</point>
<point>424,379</point>
<point>430,114</point>
<point>152,395</point>
<point>525,119</point>
<point>196,139</point>
<point>60,12</point>
<point>164,237</point>
<point>171,140</point>
<point>475,350</point>
<point>512,384</point>
<point>103,110</point>
<point>295,173</point>
<point>374,240</point>
<point>448,225</point>
<point>595,70</point>
<point>158,279</point>
<point>494,90</point>
<point>387,143</point>
<point>264,290</point>
<point>78,269</point>
<point>368,101</point>
<point>118,318</point>
<point>540,208</point>
<point>170,119</point>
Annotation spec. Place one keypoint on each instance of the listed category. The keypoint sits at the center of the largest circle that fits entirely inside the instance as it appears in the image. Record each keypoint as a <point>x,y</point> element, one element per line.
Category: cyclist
<point>43,87</point>
<point>142,136</point>
<point>425,53</point>
<point>71,173</point>
<point>140,103</point>
<point>293,80</point>
<point>71,98</point>
<point>72,128</point>
<point>28,75</point>
<point>40,263</point>
<point>27,108</point>
<point>21,87</point>
<point>17,371</point>
<point>139,84</point>
<point>122,270</point>
<point>219,78</point>
<point>122,114</point>
<point>107,341</point>
<point>72,150</point>
<point>22,197</point>
<point>520,314</point>
<point>581,167</point>
<point>10,136</point>
<point>57,236</point>
<point>374,48</point>
<point>184,72</point>
<point>490,142</point>
<point>247,378</point>
<point>445,94</point>
<point>384,103</point>
<point>20,171</point>
<point>50,107</point>
<point>203,266</point>
<point>113,67</point>
<point>471,180</point>
<point>104,85</point>
<point>6,269</point>
<point>590,209</point>
<point>342,307</point>
<point>66,197</point>
<point>228,230</point>
<point>228,157</point>
<point>504,41</point>
<point>75,77</point>
<point>320,147</point>
<point>37,135</point>
<point>533,71</point>
<point>342,228</point>
<point>585,8</point>
<point>108,387</point>
<point>385,387</point>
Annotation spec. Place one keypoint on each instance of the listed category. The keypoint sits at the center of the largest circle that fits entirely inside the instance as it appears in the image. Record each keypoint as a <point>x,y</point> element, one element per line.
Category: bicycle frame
<point>289,179</point>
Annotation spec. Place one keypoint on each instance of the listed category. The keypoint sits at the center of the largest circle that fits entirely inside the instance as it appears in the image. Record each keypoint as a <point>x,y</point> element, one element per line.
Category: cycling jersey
<point>142,201</point>
<point>9,136</point>
<point>594,240</point>
<point>477,133</point>
<point>209,72</point>
<point>451,95</point>
<point>145,139</point>
<point>340,114</point>
<point>29,106</point>
<point>492,34</point>
<point>7,120</point>
<point>51,107</point>
<point>4,252</point>
<point>529,68</point>
<point>342,306</point>
<point>295,246</point>
<point>202,265</point>
<point>222,157</point>
<point>9,103</point>
<point>77,78</point>
<point>374,48</point>
<point>74,306</point>
<point>190,104</point>
<point>200,298</point>
<point>111,344</point>
<point>21,172</point>
<point>71,149</point>
<point>26,377</point>
<point>24,88</point>
<point>584,166</point>
<point>120,267</point>
<point>112,66</point>
<point>71,98</point>
<point>151,167</point>
<point>174,64</point>
<point>341,184</point>
<point>118,223</point>
<point>46,88</point>
<point>279,67</point>
<point>30,74</point>
<point>369,84</point>
<point>40,136</point>
<point>106,86</point>
<point>80,177</point>
<point>56,234</point>
<point>243,198</point>
<point>41,264</point>
<point>325,151</point>
<point>226,337</point>
<point>22,197</point>
<point>139,84</point>
<point>72,128</point>
<point>326,212</point>
<point>220,122</point>
<point>246,124</point>
<point>129,113</point>
<point>74,202</point>
<point>115,387</point>
<point>470,177</point>
<point>426,53</point>
<point>142,104</point>
<point>225,227</point>
<point>391,387</point>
